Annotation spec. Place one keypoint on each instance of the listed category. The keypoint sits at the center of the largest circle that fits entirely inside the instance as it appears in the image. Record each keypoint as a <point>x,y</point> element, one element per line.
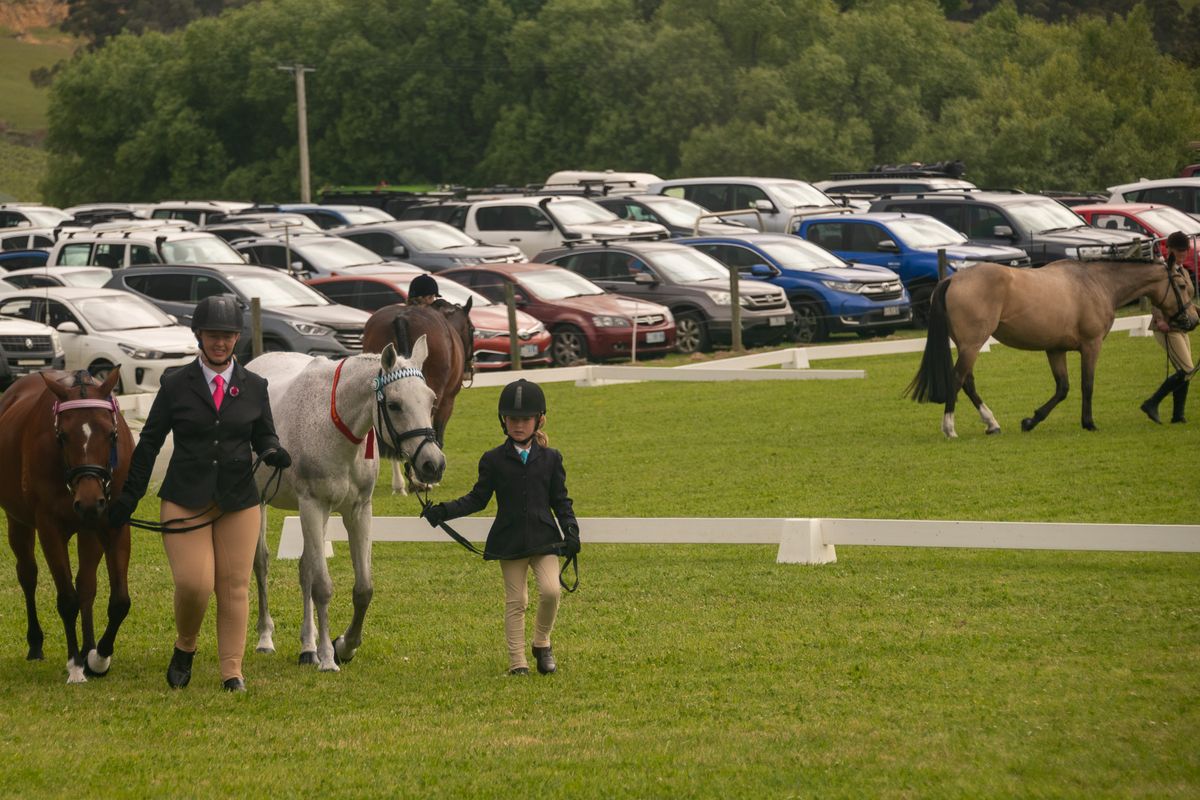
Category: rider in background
<point>529,482</point>
<point>422,291</point>
<point>217,412</point>
<point>1177,345</point>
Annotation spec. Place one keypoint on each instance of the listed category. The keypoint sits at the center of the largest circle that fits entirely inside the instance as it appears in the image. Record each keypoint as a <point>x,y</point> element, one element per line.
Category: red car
<point>1150,220</point>
<point>587,323</point>
<point>370,289</point>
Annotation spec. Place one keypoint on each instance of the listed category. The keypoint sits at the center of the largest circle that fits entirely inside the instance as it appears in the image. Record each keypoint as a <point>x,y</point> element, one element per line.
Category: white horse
<point>326,414</point>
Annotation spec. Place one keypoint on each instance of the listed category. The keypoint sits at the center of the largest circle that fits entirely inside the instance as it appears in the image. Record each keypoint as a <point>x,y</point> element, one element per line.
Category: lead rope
<point>270,489</point>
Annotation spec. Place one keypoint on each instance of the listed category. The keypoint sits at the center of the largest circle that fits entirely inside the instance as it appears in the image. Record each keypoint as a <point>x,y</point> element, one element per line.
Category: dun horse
<point>328,415</point>
<point>66,452</point>
<point>1063,306</point>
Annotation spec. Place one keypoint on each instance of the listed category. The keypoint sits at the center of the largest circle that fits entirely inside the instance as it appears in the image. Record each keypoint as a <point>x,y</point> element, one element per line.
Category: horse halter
<point>379,382</point>
<point>1179,320</point>
<point>100,473</point>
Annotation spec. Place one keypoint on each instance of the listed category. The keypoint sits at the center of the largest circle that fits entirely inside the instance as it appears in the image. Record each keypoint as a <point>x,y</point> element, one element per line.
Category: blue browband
<point>381,380</point>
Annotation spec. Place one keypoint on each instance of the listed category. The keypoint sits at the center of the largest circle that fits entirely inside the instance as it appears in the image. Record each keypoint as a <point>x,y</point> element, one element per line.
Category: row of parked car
<point>599,264</point>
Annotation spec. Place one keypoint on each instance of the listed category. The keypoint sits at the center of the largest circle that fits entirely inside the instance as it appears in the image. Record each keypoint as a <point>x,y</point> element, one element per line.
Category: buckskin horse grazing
<point>66,451</point>
<point>450,338</point>
<point>1063,306</point>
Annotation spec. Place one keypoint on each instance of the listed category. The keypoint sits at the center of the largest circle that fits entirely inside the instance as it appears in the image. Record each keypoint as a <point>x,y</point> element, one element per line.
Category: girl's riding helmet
<point>522,398</point>
<point>219,312</point>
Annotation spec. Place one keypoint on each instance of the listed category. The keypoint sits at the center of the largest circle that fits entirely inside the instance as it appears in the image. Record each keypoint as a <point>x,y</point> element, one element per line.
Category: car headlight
<point>720,298</point>
<point>849,287</point>
<point>56,342</point>
<point>962,264</point>
<point>140,352</point>
<point>535,329</point>
<point>310,328</point>
<point>484,333</point>
<point>1087,252</point>
<point>606,321</point>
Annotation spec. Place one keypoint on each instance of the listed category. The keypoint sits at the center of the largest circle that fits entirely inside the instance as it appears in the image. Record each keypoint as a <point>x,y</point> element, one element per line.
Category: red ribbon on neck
<point>341,426</point>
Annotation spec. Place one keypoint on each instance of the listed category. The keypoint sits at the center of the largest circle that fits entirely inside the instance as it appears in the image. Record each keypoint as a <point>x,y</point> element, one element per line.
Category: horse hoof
<point>1089,426</point>
<point>341,654</point>
<point>1028,424</point>
<point>75,673</point>
<point>329,668</point>
<point>35,654</point>
<point>992,431</point>
<point>266,650</point>
<point>97,666</point>
<point>308,657</point>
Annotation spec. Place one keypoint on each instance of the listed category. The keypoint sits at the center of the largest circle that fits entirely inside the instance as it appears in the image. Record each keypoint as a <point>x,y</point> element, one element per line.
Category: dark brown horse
<point>450,337</point>
<point>66,450</point>
<point>1063,306</point>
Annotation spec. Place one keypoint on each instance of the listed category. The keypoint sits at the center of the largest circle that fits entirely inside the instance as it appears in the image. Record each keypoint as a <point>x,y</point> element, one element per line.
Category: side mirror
<point>761,271</point>
<point>1002,232</point>
<point>542,225</point>
<point>887,246</point>
<point>644,278</point>
<point>68,327</point>
<point>764,205</point>
<point>572,235</point>
<point>400,250</point>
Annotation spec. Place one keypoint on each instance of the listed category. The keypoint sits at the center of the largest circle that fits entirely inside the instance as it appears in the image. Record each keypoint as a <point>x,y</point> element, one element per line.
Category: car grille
<point>349,338</point>
<point>651,319</point>
<point>881,292</point>
<point>25,344</point>
<point>764,302</point>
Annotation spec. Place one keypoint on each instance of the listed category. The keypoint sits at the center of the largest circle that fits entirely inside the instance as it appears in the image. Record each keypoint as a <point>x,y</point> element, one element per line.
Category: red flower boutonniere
<point>234,391</point>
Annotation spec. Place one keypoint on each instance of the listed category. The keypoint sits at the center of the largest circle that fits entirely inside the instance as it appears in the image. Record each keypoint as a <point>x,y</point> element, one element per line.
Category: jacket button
<point>214,462</point>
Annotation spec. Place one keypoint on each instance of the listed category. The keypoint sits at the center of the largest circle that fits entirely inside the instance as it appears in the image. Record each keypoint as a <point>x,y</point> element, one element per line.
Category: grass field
<point>24,105</point>
<point>705,671</point>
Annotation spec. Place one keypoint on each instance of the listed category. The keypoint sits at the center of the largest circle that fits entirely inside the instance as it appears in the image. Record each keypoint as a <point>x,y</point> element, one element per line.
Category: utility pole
<point>298,71</point>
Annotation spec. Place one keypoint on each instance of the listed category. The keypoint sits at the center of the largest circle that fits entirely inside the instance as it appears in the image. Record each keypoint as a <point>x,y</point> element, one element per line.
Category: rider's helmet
<point>521,398</point>
<point>422,286</point>
<point>219,312</point>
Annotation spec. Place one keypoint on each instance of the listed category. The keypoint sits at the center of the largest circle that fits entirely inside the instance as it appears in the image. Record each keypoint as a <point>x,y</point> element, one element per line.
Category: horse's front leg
<point>1062,385</point>
<point>116,561</point>
<point>54,548</point>
<point>358,527</point>
<point>266,625</point>
<point>21,538</point>
<point>316,587</point>
<point>1089,354</point>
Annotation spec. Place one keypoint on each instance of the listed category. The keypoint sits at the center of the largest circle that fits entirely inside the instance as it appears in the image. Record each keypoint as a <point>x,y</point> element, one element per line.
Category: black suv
<point>1043,227</point>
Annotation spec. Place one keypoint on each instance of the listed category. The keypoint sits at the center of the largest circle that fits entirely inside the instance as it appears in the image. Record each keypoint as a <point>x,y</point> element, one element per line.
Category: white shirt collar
<point>210,373</point>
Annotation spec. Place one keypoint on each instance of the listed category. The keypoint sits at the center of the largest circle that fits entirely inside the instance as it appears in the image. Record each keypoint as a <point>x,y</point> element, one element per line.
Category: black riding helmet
<point>422,286</point>
<point>521,398</point>
<point>219,312</point>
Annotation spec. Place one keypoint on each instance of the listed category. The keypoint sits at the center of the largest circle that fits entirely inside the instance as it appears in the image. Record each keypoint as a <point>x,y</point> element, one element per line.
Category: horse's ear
<point>387,358</point>
<point>59,390</point>
<point>467,307</point>
<point>114,375</point>
<point>419,352</point>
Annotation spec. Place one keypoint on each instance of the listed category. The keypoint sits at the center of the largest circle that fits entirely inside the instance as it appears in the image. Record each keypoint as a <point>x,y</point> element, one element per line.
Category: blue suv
<point>827,294</point>
<point>907,244</point>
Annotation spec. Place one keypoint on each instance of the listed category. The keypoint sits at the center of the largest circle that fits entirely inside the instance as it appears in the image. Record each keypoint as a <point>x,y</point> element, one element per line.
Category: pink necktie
<point>219,392</point>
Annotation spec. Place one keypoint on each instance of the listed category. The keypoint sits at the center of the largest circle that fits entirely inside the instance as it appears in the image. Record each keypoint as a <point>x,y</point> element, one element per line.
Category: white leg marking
<point>948,426</point>
<point>75,673</point>
<point>988,418</point>
<point>97,664</point>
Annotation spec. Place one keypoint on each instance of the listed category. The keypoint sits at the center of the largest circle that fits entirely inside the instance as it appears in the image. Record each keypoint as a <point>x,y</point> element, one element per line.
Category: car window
<point>10,219</point>
<point>863,238</point>
<point>109,255</point>
<point>1116,222</point>
<point>381,244</point>
<point>206,286</point>
<point>713,196</point>
<point>510,218</point>
<point>623,267</point>
<point>59,313</point>
<point>25,308</point>
<point>204,249</point>
<point>31,281</point>
<point>747,196</point>
<point>1181,197</point>
<point>343,292</point>
<point>323,218</point>
<point>141,254</point>
<point>983,221</point>
<point>743,258</point>
<point>826,234</point>
<point>589,265</point>
<point>76,254</point>
<point>488,284</point>
<point>172,287</point>
<point>375,295</point>
<point>123,312</point>
<point>268,255</point>
<point>436,237</point>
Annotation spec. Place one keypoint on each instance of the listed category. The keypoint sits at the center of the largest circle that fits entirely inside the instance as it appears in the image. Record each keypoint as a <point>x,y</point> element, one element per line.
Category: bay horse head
<point>405,412</point>
<point>85,427</point>
<point>1176,303</point>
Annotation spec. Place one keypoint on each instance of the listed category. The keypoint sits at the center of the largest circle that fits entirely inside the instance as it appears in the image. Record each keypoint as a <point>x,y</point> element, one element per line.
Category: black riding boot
<point>1150,407</point>
<point>1180,398</point>
<point>179,671</point>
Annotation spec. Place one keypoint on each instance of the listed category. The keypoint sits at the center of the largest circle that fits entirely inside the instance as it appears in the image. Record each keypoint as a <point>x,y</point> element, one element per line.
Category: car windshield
<point>686,265</point>
<point>1045,216</point>
<point>206,249</point>
<point>87,278</point>
<point>334,253</point>
<point>436,236</point>
<point>44,217</point>
<point>1171,219</point>
<point>276,290</point>
<point>457,293</point>
<point>676,210</point>
<point>120,313</point>
<point>799,194</point>
<point>362,216</point>
<point>929,232</point>
<point>800,254</point>
<point>580,212</point>
<point>557,283</point>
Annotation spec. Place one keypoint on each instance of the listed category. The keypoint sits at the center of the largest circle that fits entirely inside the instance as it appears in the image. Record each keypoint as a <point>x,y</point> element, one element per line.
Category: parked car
<point>694,286</point>
<point>535,223</point>
<point>22,259</point>
<point>585,321</point>
<point>294,317</point>
<point>907,244</point>
<point>335,216</point>
<point>34,277</point>
<point>117,249</point>
<point>371,291</point>
<point>87,214</point>
<point>879,185</point>
<point>778,201</point>
<point>600,182</point>
<point>1044,228</point>
<point>31,215</point>
<point>680,217</point>
<point>306,255</point>
<point>200,212</point>
<point>27,346</point>
<point>27,238</point>
<point>427,243</point>
<point>104,328</point>
<point>1180,193</point>
<point>1150,220</point>
<point>826,294</point>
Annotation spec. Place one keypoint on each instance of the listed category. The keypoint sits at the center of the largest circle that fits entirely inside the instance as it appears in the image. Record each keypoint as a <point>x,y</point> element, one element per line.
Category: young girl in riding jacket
<point>529,482</point>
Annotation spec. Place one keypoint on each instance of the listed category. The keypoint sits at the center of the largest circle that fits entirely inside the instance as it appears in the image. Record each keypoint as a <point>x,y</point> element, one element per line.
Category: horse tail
<point>400,326</point>
<point>935,377</point>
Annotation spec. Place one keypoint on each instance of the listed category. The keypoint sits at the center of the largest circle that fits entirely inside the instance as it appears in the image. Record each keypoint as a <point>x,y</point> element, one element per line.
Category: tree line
<point>507,91</point>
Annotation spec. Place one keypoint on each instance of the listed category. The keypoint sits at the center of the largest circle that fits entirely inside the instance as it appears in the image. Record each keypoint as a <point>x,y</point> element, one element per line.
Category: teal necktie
<point>524,455</point>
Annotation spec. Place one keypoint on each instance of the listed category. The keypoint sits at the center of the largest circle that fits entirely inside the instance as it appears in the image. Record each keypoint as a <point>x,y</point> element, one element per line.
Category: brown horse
<point>1063,306</point>
<point>450,337</point>
<point>66,453</point>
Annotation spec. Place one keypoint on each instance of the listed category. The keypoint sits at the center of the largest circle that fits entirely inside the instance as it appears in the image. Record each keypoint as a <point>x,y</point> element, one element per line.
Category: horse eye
<point>394,406</point>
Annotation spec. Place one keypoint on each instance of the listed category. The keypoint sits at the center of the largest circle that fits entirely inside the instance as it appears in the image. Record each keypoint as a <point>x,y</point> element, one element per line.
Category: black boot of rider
<point>1150,407</point>
<point>1179,398</point>
<point>545,659</point>
<point>179,671</point>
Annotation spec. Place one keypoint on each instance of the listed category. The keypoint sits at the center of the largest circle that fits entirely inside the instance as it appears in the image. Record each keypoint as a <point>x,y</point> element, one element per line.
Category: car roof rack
<point>938,169</point>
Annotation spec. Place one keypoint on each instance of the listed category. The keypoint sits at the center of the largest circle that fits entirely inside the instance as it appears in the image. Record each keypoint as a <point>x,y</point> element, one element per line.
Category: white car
<point>102,328</point>
<point>1181,193</point>
<point>27,347</point>
<point>36,277</point>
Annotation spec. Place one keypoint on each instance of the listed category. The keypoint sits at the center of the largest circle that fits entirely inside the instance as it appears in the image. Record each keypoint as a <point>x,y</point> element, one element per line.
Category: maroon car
<point>586,322</point>
<point>1150,220</point>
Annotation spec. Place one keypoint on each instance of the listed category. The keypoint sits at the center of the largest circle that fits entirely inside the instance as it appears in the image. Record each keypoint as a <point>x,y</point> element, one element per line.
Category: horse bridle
<point>1179,319</point>
<point>101,473</point>
<point>380,381</point>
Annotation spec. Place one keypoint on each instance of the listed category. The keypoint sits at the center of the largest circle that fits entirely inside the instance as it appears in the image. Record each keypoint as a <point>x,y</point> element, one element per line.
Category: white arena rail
<point>801,540</point>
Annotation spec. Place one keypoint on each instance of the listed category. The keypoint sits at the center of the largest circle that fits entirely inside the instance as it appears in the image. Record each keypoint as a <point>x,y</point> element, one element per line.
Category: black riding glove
<point>435,514</point>
<point>570,545</point>
<point>278,458</point>
<point>120,510</point>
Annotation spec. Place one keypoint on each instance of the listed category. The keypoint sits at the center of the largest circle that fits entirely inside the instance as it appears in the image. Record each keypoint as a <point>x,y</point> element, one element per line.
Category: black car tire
<point>691,333</point>
<point>810,323</point>
<point>568,347</point>
<point>100,370</point>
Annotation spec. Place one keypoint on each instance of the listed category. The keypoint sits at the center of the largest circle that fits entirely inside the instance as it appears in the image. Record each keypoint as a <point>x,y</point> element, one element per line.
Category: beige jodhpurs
<point>1178,347</point>
<point>216,557</point>
<point>516,598</point>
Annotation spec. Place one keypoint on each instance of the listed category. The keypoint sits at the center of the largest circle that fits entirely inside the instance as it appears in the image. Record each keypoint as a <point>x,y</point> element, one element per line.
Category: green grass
<point>24,105</point>
<point>22,170</point>
<point>705,671</point>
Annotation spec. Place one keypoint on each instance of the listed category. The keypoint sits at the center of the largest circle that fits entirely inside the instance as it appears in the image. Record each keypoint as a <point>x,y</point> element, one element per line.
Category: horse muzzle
<point>1186,320</point>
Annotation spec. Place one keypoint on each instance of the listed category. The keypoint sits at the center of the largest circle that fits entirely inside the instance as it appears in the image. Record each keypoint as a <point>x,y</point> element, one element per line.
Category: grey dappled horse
<point>327,435</point>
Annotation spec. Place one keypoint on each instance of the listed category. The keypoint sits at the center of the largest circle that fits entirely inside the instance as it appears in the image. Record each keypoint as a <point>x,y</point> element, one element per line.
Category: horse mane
<point>400,326</point>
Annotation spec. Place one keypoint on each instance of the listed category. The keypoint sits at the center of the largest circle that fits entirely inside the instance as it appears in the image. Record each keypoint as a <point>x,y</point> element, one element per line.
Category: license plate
<point>654,337</point>
<point>528,350</point>
<point>891,311</point>
<point>37,362</point>
<point>778,321</point>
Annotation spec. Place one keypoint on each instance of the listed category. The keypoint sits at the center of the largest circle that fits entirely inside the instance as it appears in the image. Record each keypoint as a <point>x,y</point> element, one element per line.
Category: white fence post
<point>802,543</point>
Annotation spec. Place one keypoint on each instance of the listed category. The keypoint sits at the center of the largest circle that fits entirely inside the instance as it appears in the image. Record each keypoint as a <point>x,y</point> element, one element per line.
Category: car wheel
<point>810,323</point>
<point>568,347</point>
<point>100,371</point>
<point>920,305</point>
<point>691,333</point>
